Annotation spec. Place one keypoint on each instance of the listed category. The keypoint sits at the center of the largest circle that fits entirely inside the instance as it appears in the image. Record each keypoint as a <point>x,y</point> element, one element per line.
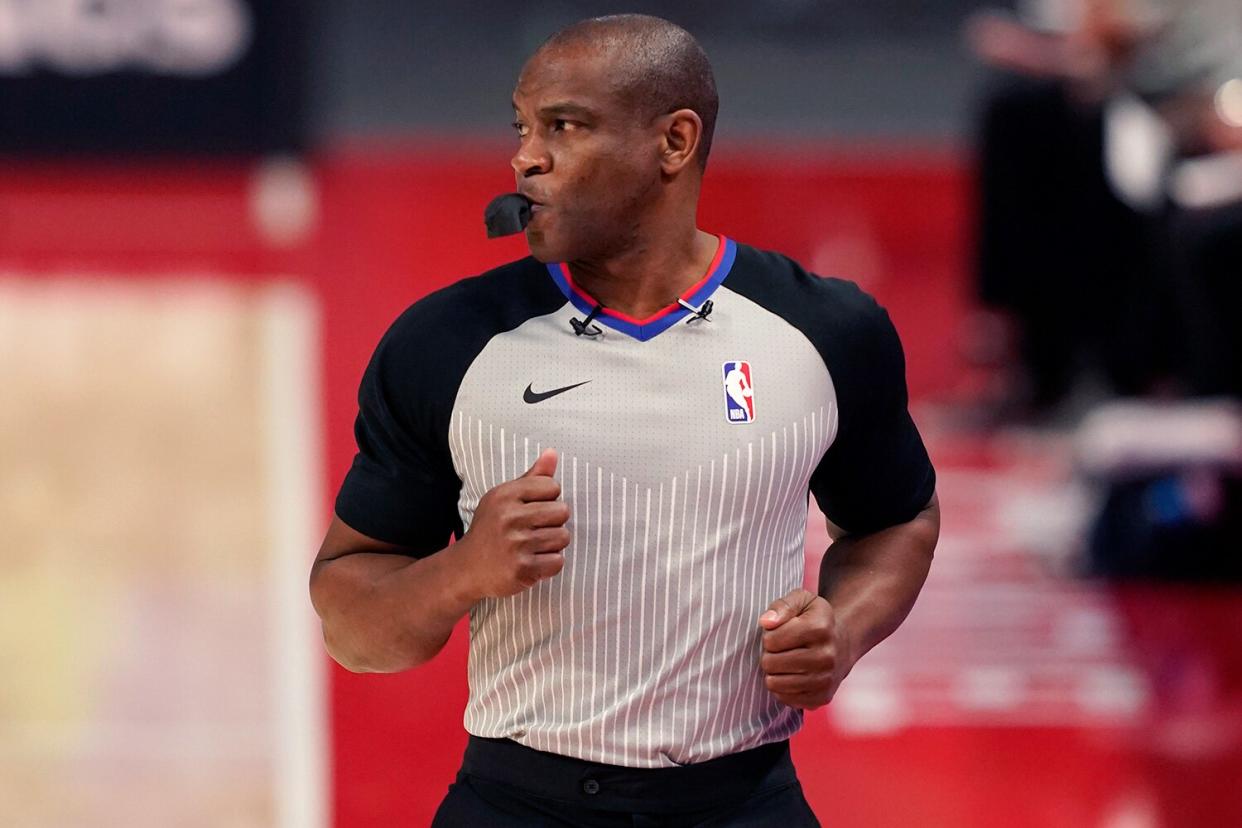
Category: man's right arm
<point>384,611</point>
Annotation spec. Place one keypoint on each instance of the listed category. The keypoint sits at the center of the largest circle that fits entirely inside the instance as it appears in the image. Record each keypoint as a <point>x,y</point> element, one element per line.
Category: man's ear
<point>681,133</point>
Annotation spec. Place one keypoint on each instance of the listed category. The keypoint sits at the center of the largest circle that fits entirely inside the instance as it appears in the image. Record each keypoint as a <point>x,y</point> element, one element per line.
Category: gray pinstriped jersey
<point>644,650</point>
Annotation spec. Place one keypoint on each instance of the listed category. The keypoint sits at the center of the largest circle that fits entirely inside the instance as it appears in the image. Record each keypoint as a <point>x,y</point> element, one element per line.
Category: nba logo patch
<point>739,392</point>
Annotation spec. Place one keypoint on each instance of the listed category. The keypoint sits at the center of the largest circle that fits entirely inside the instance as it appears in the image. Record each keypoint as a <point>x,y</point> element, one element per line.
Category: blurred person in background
<point>1110,235</point>
<point>1093,240</point>
<point>615,118</point>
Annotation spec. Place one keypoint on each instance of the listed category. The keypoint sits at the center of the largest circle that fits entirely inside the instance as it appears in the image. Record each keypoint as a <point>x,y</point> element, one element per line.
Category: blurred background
<point>211,209</point>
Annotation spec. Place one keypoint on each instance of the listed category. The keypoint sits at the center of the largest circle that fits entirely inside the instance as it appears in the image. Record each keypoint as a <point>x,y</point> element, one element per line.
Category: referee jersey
<point>688,450</point>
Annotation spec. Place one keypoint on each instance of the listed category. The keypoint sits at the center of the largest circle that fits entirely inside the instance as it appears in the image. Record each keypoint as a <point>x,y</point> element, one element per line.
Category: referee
<point>622,432</point>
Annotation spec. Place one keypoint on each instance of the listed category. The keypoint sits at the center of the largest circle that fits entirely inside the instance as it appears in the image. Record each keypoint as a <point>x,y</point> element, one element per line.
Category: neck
<point>650,272</point>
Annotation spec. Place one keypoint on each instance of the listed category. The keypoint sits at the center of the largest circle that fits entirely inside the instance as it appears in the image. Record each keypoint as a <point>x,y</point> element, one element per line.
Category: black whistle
<point>507,214</point>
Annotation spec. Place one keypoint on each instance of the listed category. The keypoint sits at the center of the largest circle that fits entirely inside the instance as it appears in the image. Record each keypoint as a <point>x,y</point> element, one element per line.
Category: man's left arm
<point>867,586</point>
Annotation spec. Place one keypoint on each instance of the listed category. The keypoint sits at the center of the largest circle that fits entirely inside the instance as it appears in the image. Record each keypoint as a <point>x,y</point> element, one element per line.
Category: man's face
<point>586,158</point>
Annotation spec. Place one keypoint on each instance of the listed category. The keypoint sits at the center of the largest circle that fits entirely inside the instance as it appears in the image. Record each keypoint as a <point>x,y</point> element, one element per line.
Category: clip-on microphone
<point>580,325</point>
<point>696,313</point>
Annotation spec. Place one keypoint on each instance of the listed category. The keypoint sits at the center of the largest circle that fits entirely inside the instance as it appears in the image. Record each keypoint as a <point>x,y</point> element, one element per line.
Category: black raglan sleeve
<point>876,473</point>
<point>402,487</point>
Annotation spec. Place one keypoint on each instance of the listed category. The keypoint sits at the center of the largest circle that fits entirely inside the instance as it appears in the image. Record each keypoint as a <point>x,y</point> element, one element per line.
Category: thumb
<point>777,613</point>
<point>786,607</point>
<point>545,464</point>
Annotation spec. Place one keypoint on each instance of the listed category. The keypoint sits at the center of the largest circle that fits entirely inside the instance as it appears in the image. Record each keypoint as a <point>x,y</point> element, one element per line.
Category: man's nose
<point>531,158</point>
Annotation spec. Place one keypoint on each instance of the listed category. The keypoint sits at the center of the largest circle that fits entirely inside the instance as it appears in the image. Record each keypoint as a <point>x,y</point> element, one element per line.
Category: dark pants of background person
<point>503,783</point>
<point>1079,271</point>
<point>1206,248</point>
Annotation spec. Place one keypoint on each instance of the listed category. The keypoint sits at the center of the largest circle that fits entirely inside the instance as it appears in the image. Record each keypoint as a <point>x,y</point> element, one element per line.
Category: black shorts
<point>503,783</point>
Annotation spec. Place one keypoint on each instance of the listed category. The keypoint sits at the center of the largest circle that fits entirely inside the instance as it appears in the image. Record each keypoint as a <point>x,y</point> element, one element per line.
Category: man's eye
<point>521,128</point>
<point>559,125</point>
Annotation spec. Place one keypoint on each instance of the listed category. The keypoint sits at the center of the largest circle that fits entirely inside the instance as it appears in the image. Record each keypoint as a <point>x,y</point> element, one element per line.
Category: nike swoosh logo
<point>539,396</point>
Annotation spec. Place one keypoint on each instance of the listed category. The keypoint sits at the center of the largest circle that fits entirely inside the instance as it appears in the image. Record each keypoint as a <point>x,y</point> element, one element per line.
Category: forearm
<point>383,613</point>
<point>872,580</point>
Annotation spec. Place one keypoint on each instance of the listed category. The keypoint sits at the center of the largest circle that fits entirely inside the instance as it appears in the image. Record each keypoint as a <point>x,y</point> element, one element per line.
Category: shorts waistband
<point>614,787</point>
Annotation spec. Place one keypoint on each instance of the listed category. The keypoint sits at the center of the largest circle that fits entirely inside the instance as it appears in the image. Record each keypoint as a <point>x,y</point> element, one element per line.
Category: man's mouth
<point>537,209</point>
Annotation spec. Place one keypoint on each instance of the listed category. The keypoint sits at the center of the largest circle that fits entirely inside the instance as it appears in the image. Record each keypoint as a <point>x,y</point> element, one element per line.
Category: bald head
<point>614,118</point>
<point>656,66</point>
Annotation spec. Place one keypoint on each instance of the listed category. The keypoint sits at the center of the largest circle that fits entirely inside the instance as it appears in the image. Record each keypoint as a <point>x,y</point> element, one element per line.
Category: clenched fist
<point>806,650</point>
<point>518,532</point>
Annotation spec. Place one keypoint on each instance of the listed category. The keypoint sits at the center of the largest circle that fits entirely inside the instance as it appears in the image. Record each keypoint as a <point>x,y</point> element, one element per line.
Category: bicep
<point>929,514</point>
<point>402,486</point>
<point>877,472</point>
<point>352,558</point>
<point>342,539</point>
